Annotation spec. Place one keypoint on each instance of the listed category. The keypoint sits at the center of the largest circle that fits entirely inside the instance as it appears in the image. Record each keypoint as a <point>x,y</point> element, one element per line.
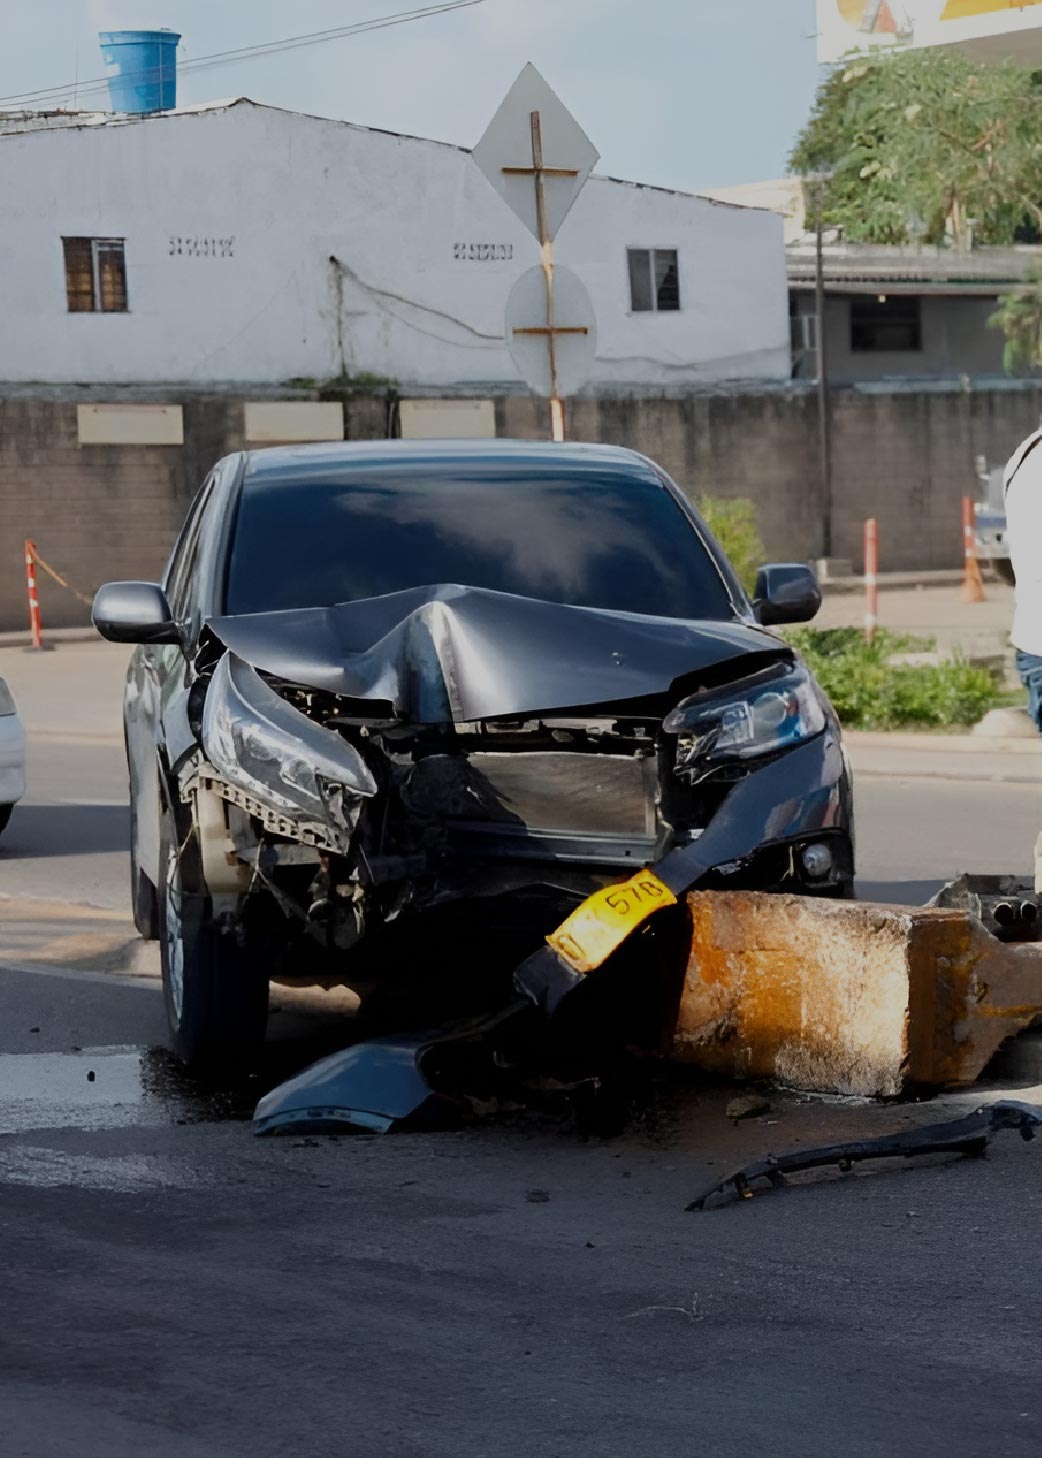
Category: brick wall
<point>104,512</point>
<point>98,512</point>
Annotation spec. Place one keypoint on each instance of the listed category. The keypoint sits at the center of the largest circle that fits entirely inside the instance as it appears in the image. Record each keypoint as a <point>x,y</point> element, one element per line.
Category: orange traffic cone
<point>972,582</point>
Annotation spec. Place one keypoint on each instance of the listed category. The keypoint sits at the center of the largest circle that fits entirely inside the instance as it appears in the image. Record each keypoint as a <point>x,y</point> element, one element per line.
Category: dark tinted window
<point>887,324</point>
<point>597,541</point>
<point>654,279</point>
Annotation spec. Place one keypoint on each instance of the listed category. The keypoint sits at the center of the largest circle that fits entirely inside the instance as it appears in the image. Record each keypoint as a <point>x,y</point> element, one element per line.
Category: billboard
<point>984,28</point>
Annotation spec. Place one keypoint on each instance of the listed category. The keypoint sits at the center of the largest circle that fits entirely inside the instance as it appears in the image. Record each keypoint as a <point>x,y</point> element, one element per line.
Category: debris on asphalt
<point>371,1086</point>
<point>748,1106</point>
<point>381,1084</point>
<point>692,1312</point>
<point>969,1136</point>
<point>735,973</point>
<point>1006,906</point>
<point>538,1197</point>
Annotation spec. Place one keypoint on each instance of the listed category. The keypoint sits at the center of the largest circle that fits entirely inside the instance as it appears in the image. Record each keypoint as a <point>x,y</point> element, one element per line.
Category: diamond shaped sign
<point>575,332</point>
<point>568,155</point>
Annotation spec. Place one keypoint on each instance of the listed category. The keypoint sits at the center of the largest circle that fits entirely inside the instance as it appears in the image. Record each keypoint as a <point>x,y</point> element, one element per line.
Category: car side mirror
<point>133,612</point>
<point>786,592</point>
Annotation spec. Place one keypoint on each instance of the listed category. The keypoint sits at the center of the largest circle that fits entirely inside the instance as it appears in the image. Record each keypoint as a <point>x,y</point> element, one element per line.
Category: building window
<point>803,333</point>
<point>95,275</point>
<point>654,280</point>
<point>886,324</point>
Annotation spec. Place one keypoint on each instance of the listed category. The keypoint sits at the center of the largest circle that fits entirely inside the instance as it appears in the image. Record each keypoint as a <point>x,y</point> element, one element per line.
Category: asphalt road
<point>68,840</point>
<point>175,1287</point>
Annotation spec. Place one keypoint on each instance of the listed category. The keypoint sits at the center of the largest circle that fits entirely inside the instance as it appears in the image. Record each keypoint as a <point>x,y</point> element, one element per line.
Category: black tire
<point>216,994</point>
<point>1004,571</point>
<point>5,815</point>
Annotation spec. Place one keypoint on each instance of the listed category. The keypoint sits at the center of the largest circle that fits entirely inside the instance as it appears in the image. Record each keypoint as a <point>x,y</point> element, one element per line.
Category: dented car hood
<point>451,654</point>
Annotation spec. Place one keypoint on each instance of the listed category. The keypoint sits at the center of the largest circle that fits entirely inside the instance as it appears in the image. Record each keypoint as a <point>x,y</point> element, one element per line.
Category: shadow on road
<point>41,831</point>
<point>898,893</point>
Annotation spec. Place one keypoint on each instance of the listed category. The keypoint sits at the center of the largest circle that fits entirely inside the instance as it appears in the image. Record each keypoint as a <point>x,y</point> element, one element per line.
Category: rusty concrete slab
<point>849,998</point>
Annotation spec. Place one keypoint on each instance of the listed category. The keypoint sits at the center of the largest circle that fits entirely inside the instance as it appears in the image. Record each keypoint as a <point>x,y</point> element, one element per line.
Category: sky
<point>681,93</point>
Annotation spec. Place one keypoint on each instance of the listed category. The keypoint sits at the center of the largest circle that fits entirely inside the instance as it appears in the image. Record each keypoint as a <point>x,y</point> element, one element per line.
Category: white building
<point>782,195</point>
<point>985,30</point>
<point>236,243</point>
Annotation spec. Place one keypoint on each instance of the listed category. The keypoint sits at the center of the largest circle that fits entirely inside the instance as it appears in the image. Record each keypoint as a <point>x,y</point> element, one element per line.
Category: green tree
<point>924,143</point>
<point>1019,316</point>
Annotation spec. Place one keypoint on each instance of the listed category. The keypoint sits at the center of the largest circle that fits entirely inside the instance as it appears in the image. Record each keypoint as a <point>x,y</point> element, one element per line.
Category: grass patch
<point>869,692</point>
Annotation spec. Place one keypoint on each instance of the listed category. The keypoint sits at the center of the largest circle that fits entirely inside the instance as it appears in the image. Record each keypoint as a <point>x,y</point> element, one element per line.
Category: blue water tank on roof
<point>146,78</point>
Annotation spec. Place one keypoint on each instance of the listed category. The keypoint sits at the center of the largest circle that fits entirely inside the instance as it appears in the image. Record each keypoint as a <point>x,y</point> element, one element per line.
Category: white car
<point>12,755</point>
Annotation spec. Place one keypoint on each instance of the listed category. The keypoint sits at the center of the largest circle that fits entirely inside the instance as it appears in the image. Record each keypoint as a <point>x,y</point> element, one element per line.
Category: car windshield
<point>601,541</point>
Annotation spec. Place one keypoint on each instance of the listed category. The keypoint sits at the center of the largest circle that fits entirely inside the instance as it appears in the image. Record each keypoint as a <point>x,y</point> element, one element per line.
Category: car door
<point>160,673</point>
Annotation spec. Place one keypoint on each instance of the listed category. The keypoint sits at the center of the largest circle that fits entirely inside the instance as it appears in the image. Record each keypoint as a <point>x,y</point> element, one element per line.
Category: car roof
<point>439,457</point>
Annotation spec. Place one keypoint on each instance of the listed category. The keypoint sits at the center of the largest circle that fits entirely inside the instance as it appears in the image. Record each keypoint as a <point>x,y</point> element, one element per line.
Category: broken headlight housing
<point>776,711</point>
<point>257,741</point>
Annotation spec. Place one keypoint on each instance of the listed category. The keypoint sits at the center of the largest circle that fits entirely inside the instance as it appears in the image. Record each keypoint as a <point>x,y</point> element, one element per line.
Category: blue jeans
<point>1029,666</point>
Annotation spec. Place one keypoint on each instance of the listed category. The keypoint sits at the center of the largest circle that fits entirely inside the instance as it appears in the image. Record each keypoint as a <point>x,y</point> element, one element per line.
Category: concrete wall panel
<point>906,458</point>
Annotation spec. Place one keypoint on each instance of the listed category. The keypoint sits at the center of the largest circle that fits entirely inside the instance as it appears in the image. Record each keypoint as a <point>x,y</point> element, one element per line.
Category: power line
<point>219,58</point>
<point>243,53</point>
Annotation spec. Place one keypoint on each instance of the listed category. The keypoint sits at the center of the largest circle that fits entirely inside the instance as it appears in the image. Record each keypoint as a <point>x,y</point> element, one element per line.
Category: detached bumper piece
<point>967,1137</point>
<point>387,1082</point>
<point>372,1085</point>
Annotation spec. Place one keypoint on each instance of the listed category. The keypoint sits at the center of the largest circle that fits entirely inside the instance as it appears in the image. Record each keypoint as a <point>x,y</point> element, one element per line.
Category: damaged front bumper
<point>799,796</point>
<point>609,802</point>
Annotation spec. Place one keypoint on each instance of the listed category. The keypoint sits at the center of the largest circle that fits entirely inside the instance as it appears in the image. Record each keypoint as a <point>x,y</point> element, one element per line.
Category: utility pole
<point>824,421</point>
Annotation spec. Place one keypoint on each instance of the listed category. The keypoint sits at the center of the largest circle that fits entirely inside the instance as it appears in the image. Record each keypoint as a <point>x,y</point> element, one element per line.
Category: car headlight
<point>6,700</point>
<point>256,740</point>
<point>725,724</point>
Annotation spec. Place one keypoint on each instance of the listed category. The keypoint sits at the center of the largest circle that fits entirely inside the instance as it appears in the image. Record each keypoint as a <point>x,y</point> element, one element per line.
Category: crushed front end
<point>329,813</point>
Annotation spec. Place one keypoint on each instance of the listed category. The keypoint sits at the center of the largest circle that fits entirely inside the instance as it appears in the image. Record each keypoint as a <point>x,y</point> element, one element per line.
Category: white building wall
<point>232,215</point>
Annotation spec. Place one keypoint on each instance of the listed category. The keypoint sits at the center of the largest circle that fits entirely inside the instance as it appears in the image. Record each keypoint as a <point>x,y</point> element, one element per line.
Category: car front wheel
<point>216,994</point>
<point>5,815</point>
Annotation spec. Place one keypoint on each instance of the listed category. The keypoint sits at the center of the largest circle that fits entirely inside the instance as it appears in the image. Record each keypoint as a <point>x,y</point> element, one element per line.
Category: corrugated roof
<point>855,266</point>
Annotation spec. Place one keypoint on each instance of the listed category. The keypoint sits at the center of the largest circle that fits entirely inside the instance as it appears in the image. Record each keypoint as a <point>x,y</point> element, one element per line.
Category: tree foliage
<point>1019,316</point>
<point>733,524</point>
<point>922,144</point>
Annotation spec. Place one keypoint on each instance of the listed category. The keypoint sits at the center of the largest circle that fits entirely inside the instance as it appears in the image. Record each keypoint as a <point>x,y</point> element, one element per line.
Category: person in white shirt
<point>1022,486</point>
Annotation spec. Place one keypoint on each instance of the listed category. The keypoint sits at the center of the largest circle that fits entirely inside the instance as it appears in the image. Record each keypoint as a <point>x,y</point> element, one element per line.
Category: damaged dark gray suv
<point>383,679</point>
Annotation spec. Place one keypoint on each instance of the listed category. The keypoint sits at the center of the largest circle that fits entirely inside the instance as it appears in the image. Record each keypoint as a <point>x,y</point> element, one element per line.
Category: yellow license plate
<point>604,920</point>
